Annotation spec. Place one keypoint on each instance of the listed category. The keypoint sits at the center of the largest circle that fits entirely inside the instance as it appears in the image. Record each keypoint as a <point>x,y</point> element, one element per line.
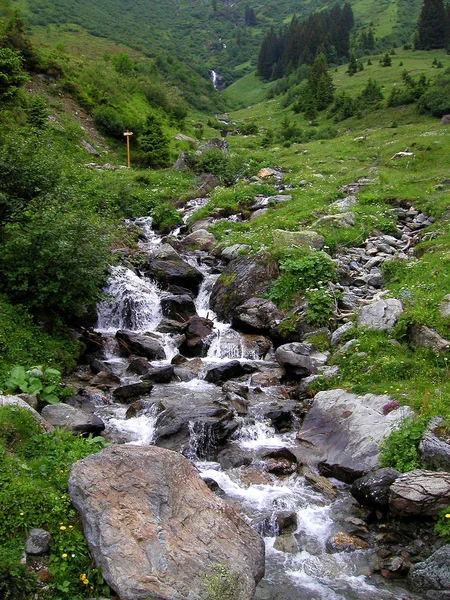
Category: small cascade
<point>138,430</point>
<point>133,303</point>
<point>201,442</point>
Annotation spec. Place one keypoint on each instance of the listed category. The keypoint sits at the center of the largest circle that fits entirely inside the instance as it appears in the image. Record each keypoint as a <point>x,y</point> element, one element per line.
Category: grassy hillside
<point>204,35</point>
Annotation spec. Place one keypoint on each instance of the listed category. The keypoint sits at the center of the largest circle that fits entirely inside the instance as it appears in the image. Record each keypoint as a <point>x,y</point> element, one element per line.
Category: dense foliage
<point>327,32</point>
<point>33,494</point>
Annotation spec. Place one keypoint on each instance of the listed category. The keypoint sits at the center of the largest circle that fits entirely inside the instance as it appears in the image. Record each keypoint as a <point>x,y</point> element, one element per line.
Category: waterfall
<point>216,78</point>
<point>132,302</point>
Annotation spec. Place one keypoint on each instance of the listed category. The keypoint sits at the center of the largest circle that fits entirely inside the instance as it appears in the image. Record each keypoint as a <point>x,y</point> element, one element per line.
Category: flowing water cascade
<point>308,571</point>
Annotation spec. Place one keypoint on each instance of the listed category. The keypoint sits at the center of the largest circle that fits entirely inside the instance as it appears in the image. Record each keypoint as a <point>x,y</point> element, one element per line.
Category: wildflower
<point>70,526</point>
<point>447,516</point>
<point>21,514</point>
<point>63,527</point>
<point>64,555</point>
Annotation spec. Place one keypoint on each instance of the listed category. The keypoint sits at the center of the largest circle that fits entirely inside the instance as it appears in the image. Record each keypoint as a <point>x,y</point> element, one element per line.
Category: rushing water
<point>308,572</point>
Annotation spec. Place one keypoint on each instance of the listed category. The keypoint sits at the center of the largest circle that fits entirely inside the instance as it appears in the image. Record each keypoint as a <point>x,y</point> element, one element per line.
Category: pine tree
<point>320,82</point>
<point>352,65</point>
<point>432,25</point>
<point>250,17</point>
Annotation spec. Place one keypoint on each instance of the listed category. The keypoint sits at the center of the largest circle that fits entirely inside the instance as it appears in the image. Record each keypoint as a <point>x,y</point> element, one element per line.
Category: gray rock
<point>127,393</point>
<point>38,542</point>
<point>340,332</point>
<point>229,370</point>
<point>258,315</point>
<point>342,431</point>
<point>198,337</point>
<point>444,307</point>
<point>286,543</point>
<point>200,239</point>
<point>432,576</point>
<point>300,359</point>
<point>172,271</point>
<point>381,315</point>
<point>422,336</point>
<point>178,308</point>
<point>373,489</point>
<point>420,493</point>
<point>344,204</point>
<point>344,220</point>
<point>162,533</point>
<point>232,252</point>
<point>72,419</point>
<point>258,213</point>
<point>140,344</point>
<point>16,401</point>
<point>435,452</point>
<point>243,278</point>
<point>298,239</point>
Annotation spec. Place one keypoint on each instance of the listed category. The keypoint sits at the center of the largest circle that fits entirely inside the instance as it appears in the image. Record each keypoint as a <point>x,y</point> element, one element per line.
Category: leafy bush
<point>29,170</point>
<point>320,306</point>
<point>12,75</point>
<point>22,341</point>
<point>165,217</point>
<point>400,449</point>
<point>58,265</point>
<point>299,274</point>
<point>40,381</point>
<point>436,99</point>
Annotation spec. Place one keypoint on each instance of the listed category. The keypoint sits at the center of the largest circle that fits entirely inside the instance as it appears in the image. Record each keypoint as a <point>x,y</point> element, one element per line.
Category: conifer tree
<point>432,25</point>
<point>250,17</point>
<point>320,82</point>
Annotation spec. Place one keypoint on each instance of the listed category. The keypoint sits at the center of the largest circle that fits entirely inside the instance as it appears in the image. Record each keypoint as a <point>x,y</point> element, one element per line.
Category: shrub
<point>59,264</point>
<point>154,144</point>
<point>400,449</point>
<point>299,274</point>
<point>436,99</point>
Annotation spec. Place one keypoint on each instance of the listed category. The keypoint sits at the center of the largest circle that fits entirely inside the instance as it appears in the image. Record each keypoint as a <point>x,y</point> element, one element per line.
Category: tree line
<point>327,32</point>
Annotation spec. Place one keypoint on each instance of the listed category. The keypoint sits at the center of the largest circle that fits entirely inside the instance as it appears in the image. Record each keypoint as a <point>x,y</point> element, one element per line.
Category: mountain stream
<point>309,571</point>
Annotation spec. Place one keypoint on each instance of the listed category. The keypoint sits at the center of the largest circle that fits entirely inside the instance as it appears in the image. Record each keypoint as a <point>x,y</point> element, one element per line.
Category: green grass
<point>34,470</point>
<point>247,91</point>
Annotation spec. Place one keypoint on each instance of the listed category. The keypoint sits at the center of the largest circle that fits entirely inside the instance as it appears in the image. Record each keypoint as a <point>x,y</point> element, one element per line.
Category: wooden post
<point>127,135</point>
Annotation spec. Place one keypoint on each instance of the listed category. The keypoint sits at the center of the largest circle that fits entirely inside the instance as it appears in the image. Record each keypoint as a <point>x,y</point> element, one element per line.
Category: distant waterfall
<point>216,79</point>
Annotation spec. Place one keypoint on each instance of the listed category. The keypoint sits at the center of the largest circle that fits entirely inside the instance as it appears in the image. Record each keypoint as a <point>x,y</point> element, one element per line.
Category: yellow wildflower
<point>64,555</point>
<point>63,527</point>
<point>447,516</point>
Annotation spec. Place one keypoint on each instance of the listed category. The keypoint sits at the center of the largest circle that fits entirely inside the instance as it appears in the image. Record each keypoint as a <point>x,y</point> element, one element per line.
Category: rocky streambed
<point>187,357</point>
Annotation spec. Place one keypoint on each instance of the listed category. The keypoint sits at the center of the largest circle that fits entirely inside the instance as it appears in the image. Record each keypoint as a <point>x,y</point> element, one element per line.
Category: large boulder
<point>198,336</point>
<point>420,493</point>
<point>72,419</point>
<point>178,308</point>
<point>127,393</point>
<point>342,431</point>
<point>373,489</point>
<point>300,359</point>
<point>200,239</point>
<point>243,278</point>
<point>431,578</point>
<point>229,370</point>
<point>381,315</point>
<point>196,431</point>
<point>257,315</point>
<point>167,267</point>
<point>421,336</point>
<point>157,531</point>
<point>139,344</point>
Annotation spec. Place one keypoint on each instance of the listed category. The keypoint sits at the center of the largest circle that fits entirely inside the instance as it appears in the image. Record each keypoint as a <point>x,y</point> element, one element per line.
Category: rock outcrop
<point>420,493</point>
<point>342,431</point>
<point>157,531</point>
<point>243,278</point>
